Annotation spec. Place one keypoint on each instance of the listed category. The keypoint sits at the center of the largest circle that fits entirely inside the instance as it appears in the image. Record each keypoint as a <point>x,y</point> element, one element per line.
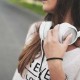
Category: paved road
<point>14,23</point>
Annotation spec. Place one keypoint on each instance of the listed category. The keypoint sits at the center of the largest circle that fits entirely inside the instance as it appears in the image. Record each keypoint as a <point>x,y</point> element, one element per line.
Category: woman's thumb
<point>68,39</point>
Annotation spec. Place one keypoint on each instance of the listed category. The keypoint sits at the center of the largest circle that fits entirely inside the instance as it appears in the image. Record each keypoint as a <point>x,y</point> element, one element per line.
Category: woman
<point>32,62</point>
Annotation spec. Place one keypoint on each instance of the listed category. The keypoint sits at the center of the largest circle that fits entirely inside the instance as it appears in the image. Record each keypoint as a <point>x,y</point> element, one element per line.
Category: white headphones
<point>64,30</point>
<point>44,27</point>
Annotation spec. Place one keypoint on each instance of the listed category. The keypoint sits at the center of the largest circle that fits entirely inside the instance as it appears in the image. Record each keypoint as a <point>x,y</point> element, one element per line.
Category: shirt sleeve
<point>31,31</point>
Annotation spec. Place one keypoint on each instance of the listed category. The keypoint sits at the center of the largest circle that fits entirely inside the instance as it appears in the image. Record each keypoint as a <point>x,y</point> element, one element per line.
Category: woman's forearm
<point>56,70</point>
<point>54,49</point>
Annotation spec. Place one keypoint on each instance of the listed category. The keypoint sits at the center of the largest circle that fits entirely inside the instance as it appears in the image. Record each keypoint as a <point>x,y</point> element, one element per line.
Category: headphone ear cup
<point>45,26</point>
<point>41,30</point>
<point>64,30</point>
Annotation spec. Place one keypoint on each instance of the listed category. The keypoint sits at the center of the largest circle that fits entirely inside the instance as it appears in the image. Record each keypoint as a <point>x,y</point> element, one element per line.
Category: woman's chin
<point>46,9</point>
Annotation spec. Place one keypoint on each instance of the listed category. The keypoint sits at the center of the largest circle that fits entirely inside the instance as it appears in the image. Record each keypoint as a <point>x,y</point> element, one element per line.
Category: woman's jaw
<point>49,5</point>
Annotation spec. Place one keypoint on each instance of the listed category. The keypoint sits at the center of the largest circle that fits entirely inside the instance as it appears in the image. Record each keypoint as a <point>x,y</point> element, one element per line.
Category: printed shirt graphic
<point>34,71</point>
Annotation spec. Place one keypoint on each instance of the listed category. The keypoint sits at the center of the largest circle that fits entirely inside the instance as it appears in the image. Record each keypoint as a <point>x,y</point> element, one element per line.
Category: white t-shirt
<point>38,70</point>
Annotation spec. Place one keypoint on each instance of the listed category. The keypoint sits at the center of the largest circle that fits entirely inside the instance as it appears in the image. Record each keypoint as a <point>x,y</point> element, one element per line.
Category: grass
<point>35,8</point>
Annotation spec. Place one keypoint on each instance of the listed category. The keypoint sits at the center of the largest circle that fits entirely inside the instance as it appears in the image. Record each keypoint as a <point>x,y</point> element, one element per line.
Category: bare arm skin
<point>56,70</point>
<point>53,48</point>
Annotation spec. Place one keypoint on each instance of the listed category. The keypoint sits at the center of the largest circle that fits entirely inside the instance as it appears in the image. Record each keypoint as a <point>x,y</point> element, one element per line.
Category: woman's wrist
<point>55,67</point>
<point>56,63</point>
<point>54,58</point>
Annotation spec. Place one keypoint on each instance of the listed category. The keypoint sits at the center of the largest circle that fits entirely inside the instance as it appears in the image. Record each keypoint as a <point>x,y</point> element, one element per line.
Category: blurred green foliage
<point>35,8</point>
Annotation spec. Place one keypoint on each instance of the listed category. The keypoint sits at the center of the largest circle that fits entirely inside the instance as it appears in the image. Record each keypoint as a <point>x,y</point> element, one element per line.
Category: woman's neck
<point>68,17</point>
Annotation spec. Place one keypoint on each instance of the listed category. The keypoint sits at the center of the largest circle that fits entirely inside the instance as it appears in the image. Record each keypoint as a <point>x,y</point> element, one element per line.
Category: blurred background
<point>16,16</point>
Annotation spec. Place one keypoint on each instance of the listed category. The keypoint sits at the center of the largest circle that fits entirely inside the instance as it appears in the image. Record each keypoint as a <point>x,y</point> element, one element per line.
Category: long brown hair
<point>33,47</point>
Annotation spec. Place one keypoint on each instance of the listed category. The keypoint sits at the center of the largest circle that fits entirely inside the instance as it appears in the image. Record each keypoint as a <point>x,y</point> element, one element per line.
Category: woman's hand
<point>52,46</point>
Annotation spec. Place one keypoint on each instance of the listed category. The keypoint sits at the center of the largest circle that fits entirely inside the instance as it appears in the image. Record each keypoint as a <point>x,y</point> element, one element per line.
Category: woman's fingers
<point>68,39</point>
<point>52,46</point>
<point>49,36</point>
<point>52,34</point>
<point>55,32</point>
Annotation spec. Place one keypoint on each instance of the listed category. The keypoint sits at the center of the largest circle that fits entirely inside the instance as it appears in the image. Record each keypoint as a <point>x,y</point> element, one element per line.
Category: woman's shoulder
<point>35,25</point>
